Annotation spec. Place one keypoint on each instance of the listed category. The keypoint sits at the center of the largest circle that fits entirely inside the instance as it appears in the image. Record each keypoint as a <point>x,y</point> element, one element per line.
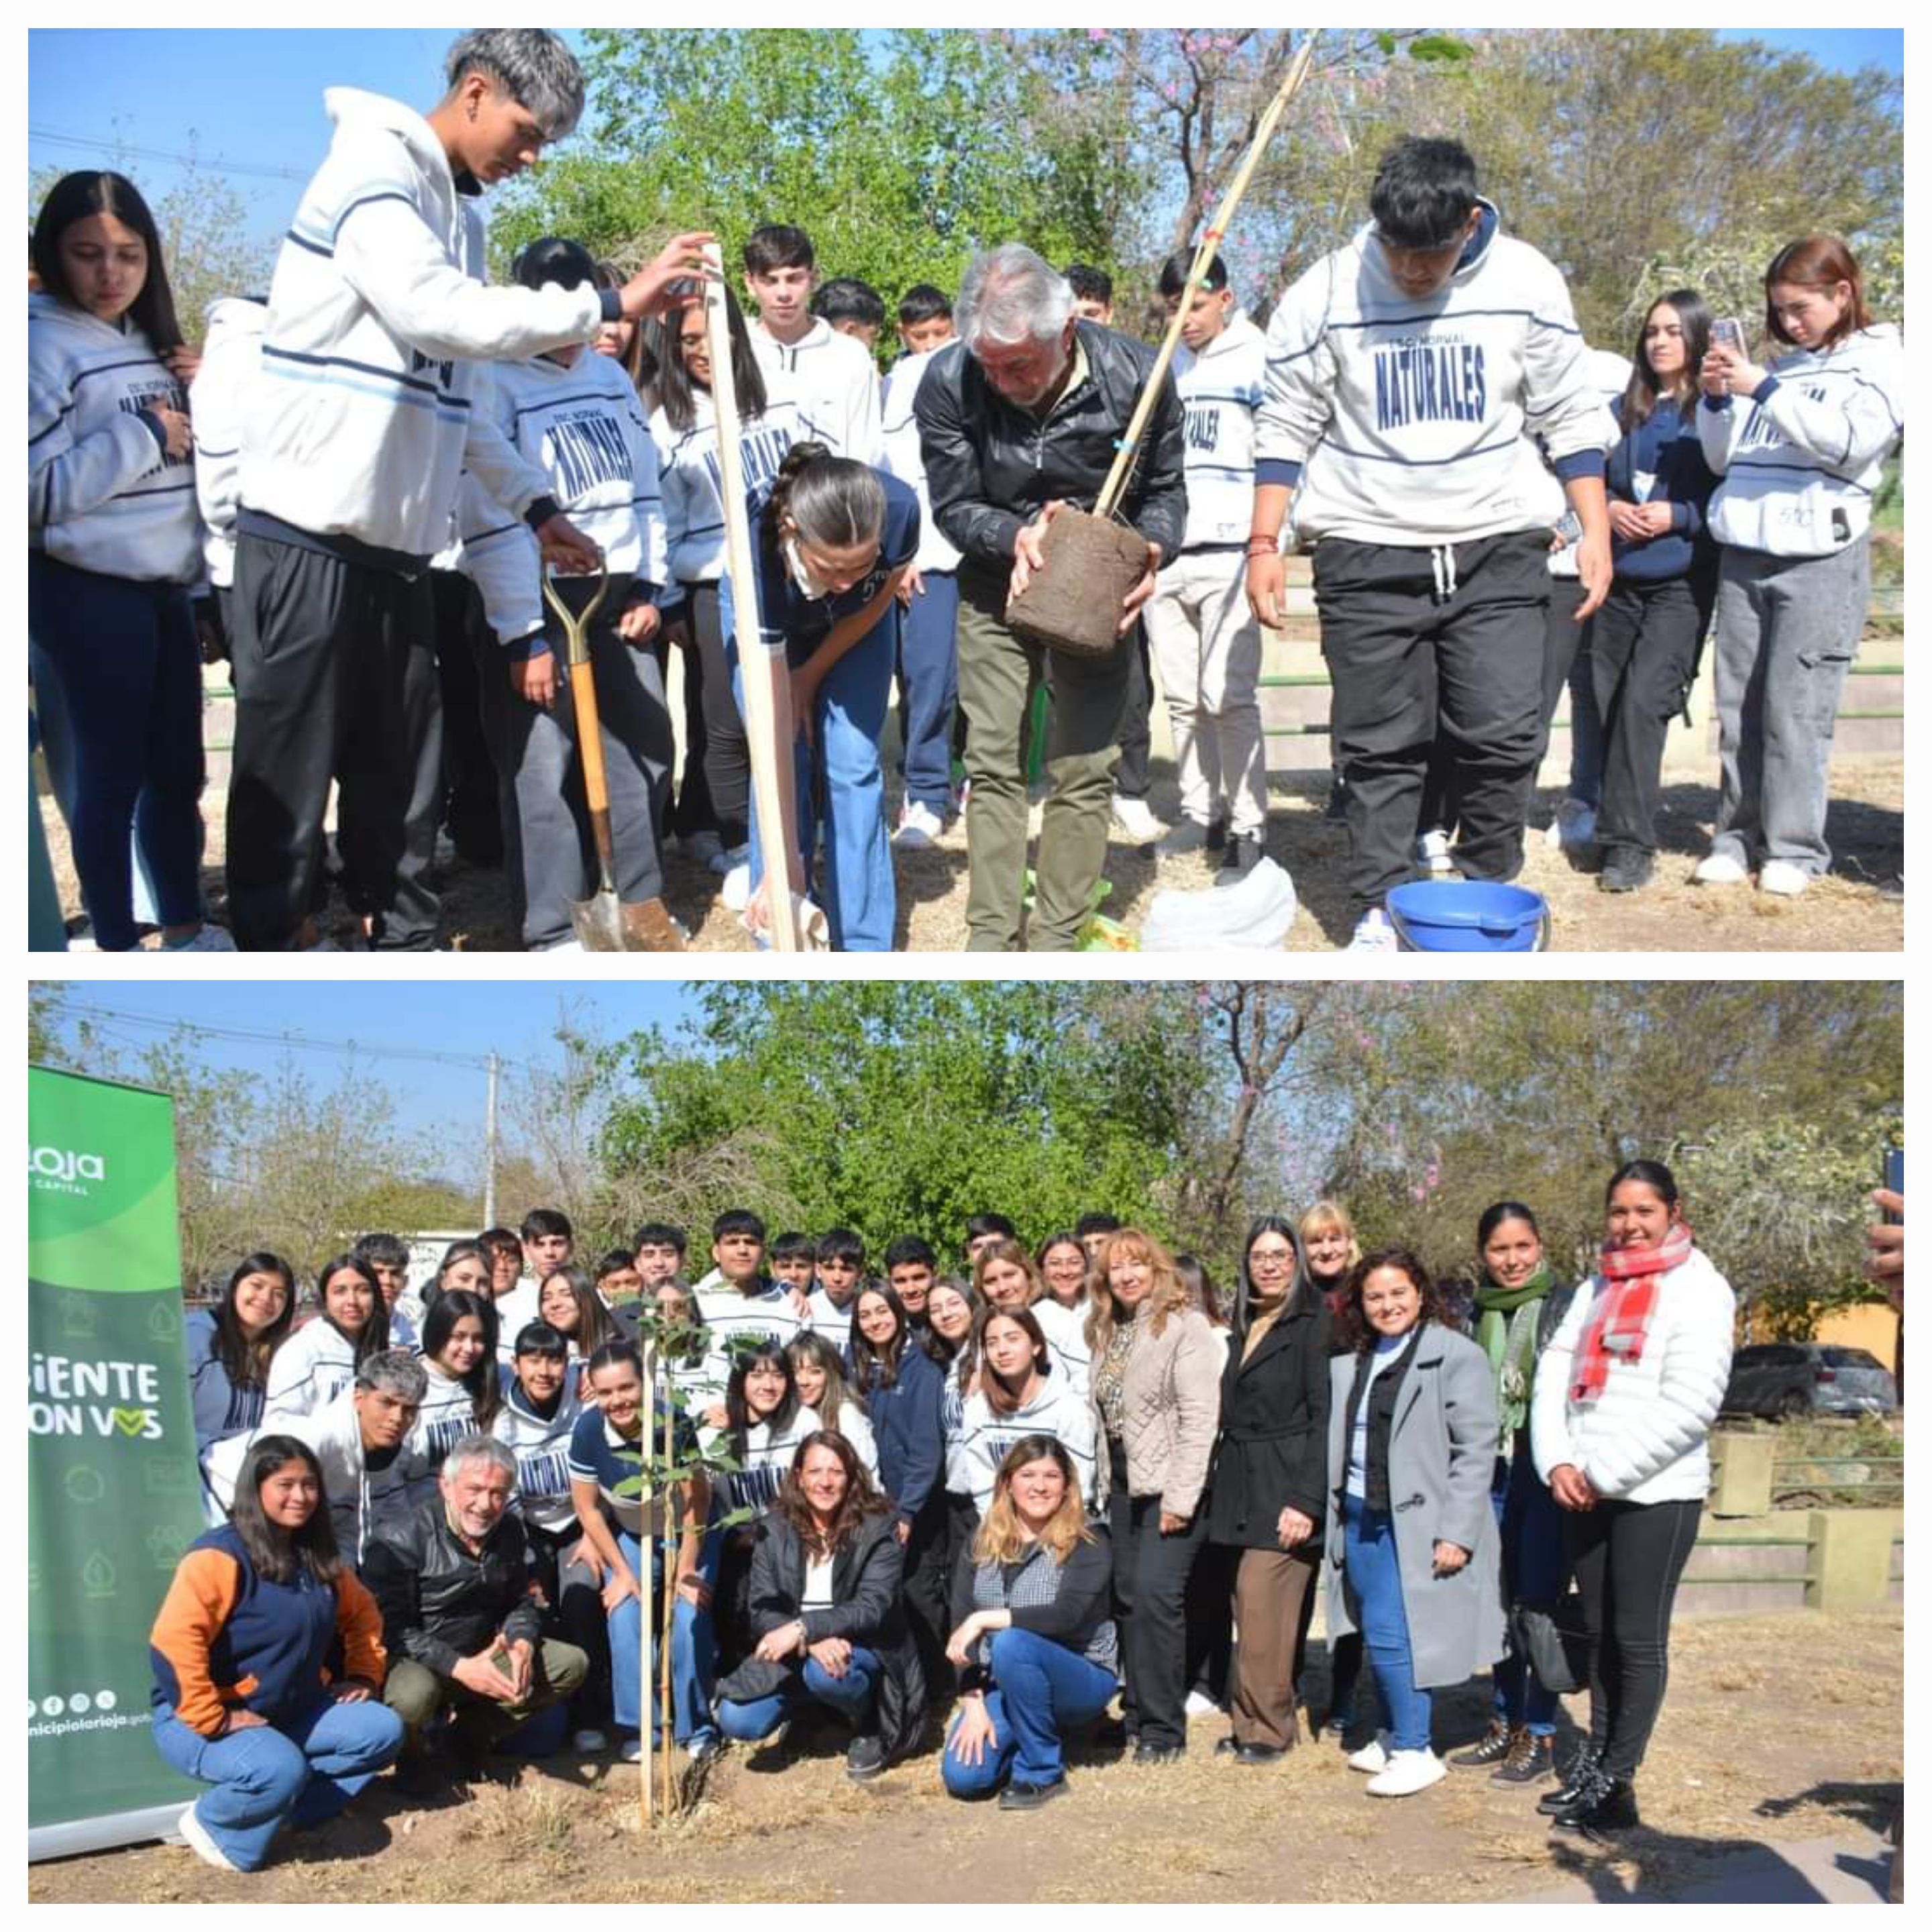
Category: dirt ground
<point>1785,1727</point>
<point>1861,907</point>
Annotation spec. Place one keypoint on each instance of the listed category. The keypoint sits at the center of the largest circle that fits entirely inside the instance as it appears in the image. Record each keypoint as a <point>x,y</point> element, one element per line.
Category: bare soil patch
<point>1776,1727</point>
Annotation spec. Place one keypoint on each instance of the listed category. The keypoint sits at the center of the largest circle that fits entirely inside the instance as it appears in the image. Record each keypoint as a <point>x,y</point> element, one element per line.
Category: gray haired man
<point>1019,419</point>
<point>453,1580</point>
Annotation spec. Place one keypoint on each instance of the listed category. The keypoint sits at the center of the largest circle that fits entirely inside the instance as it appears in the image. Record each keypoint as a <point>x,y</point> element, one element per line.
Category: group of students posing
<point>383,433</point>
<point>1068,1475</point>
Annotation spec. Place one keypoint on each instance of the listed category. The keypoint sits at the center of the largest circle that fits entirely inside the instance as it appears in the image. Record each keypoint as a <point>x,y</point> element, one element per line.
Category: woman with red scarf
<point>1625,1394</point>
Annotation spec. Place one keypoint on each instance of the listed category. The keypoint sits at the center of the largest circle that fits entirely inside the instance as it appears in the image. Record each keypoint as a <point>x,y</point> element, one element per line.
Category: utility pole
<point>489,1148</point>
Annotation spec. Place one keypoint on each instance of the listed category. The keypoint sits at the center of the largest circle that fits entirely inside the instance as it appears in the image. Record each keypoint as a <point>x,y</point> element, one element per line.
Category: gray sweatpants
<point>1786,630</point>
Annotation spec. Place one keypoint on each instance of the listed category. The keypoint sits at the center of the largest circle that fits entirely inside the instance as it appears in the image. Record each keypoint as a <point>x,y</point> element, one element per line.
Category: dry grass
<point>1776,1727</point>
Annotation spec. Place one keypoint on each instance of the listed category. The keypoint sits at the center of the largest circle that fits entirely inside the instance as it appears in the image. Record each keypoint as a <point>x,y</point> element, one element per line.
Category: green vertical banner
<point>113,1493</point>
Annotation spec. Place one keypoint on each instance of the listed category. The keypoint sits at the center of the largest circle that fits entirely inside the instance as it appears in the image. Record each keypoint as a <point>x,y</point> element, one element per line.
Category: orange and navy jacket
<point>226,1637</point>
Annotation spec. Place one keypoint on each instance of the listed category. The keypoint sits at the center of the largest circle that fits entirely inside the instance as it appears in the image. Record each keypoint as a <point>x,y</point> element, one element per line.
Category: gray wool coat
<point>1442,1455</point>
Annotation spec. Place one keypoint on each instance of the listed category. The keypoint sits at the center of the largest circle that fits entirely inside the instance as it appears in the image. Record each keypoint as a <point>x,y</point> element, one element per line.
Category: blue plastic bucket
<point>1469,915</point>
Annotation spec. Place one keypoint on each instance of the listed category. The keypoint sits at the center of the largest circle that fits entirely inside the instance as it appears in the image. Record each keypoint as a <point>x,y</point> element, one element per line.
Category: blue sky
<point>244,99</point>
<point>465,1016</point>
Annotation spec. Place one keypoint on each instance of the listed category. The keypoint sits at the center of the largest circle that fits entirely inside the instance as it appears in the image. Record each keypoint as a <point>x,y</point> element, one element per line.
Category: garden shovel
<point>603,923</point>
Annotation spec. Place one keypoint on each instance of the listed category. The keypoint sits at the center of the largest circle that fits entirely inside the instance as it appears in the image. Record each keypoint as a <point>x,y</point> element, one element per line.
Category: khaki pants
<point>997,677</point>
<point>1208,646</point>
<point>1270,1587</point>
<point>415,1693</point>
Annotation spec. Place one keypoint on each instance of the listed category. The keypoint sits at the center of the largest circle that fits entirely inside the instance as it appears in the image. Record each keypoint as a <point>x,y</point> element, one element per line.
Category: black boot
<point>1529,1762</point>
<point>1577,1780</point>
<point>1611,1807</point>
<point>1495,1746</point>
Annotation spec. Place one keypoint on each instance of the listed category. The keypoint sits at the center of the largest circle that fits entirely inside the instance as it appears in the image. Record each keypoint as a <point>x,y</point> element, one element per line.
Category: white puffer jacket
<point>1643,1440</point>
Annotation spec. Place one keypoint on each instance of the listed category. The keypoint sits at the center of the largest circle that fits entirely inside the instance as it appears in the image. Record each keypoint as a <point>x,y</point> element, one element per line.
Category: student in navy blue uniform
<point>229,1349</point>
<point>836,539</point>
<point>904,1390</point>
<point>607,1454</point>
<point>1647,638</point>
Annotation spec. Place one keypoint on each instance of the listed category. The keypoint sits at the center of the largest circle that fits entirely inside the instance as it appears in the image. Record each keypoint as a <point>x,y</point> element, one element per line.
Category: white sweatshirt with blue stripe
<point>835,380</point>
<point>376,321</point>
<point>1397,421</point>
<point>583,427</point>
<point>223,396</point>
<point>1220,389</point>
<point>1799,461</point>
<point>694,504</point>
<point>102,494</point>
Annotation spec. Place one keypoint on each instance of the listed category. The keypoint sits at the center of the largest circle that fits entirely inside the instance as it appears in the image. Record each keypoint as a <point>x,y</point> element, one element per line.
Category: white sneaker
<point>1408,1772</point>
<point>737,893</point>
<point>920,825</point>
<point>1575,823</point>
<point>588,1743</point>
<point>196,1834</point>
<point>1132,817</point>
<point>1373,1755</point>
<point>1720,869</point>
<point>1189,835</point>
<point>1200,1705</point>
<point>209,939</point>
<point>1781,877</point>
<point>1431,850</point>
<point>1374,934</point>
<point>631,1750</point>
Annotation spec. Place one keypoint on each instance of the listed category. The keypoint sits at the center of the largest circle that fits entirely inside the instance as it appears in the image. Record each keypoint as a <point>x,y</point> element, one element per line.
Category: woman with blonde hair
<point>1157,1363</point>
<point>1329,1250</point>
<point>1031,1633</point>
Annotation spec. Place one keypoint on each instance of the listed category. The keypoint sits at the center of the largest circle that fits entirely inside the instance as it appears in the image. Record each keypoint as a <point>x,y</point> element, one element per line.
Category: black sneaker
<point>1217,834</point>
<point>1611,1807</point>
<point>1018,1797</point>
<point>1240,858</point>
<point>1150,1753</point>
<point>865,1757</point>
<point>1492,1750</point>
<point>1626,869</point>
<point>1578,1779</point>
<point>1249,1753</point>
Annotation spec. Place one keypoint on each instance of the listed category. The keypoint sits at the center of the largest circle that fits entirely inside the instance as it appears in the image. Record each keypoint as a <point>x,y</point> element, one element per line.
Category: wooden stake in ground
<point>1211,238</point>
<point>765,677</point>
<point>646,1624</point>
<point>672,1528</point>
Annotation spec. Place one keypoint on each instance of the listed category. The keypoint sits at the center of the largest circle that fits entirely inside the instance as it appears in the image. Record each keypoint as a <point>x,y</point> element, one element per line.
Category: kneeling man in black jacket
<point>453,1579</point>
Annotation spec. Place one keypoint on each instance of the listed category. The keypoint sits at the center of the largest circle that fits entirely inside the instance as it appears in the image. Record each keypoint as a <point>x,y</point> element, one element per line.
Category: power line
<point>118,147</point>
<point>294,1038</point>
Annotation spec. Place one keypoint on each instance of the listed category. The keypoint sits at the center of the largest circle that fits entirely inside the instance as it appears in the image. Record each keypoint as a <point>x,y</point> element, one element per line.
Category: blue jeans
<point>127,667</point>
<point>1375,1578</point>
<point>840,770</point>
<point>1536,1564</point>
<point>693,1662</point>
<point>929,688</point>
<point>850,1695</point>
<point>1040,1688</point>
<point>297,1773</point>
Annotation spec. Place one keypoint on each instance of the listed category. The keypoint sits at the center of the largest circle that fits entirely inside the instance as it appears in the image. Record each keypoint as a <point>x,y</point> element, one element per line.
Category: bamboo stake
<point>769,727</point>
<point>1105,503</point>
<point>673,1499</point>
<point>645,1627</point>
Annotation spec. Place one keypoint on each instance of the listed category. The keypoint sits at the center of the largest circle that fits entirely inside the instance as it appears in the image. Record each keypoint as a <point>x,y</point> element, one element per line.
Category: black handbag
<point>1558,1646</point>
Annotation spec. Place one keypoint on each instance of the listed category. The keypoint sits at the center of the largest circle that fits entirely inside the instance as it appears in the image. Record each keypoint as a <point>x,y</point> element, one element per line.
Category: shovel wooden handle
<point>590,750</point>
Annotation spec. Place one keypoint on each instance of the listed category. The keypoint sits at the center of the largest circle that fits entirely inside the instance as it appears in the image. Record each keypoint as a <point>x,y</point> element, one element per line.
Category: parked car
<point>1792,1378</point>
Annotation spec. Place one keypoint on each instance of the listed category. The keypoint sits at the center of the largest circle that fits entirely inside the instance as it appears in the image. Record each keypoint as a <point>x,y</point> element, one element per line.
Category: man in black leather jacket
<point>1022,415</point>
<point>453,1580</point>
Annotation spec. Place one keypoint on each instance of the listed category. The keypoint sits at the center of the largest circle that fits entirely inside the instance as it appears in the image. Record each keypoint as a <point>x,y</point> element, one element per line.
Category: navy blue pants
<point>929,688</point>
<point>129,665</point>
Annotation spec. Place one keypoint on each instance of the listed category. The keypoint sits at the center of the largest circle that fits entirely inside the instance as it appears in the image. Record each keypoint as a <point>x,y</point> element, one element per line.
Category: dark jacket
<point>441,1604</point>
<point>1664,447</point>
<point>1082,1604</point>
<point>865,1610</point>
<point>1273,1450</point>
<point>908,1428</point>
<point>991,466</point>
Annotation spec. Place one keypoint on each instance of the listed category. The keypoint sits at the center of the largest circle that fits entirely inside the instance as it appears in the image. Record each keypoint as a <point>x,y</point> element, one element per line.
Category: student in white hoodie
<point>1624,1395</point>
<point>319,1361</point>
<point>575,415</point>
<point>376,322</point>
<point>113,543</point>
<point>832,374</point>
<point>1022,1392</point>
<point>1411,377</point>
<point>1793,514</point>
<point>1205,636</point>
